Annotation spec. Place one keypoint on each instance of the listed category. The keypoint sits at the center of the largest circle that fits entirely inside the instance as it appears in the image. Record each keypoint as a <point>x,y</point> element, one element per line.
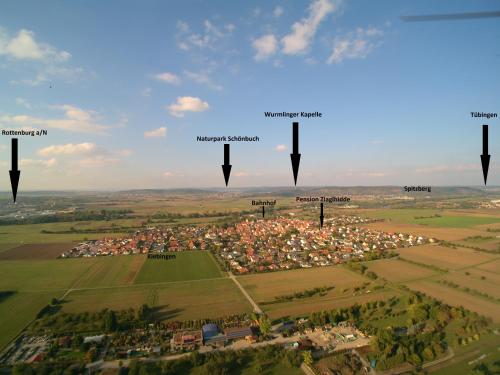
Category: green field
<point>432,217</point>
<point>175,300</point>
<point>457,221</point>
<point>18,310</point>
<point>188,265</point>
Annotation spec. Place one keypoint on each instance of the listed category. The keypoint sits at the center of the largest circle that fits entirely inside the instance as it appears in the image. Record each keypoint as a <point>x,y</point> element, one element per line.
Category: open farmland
<point>437,217</point>
<point>266,286</point>
<point>12,236</point>
<point>187,265</point>
<point>172,301</point>
<point>447,234</point>
<point>309,305</point>
<point>18,310</point>
<point>36,251</point>
<point>109,271</point>
<point>395,270</point>
<point>445,257</point>
<point>466,279</point>
<point>456,297</point>
<point>490,266</point>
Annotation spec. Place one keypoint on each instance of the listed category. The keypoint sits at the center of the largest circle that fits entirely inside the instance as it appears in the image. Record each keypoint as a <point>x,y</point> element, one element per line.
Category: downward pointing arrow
<point>263,211</point>
<point>295,156</point>
<point>485,157</point>
<point>14,172</point>
<point>321,217</point>
<point>226,167</point>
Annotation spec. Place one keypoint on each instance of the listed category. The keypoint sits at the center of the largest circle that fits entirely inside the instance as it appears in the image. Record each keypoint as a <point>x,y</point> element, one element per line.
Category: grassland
<point>436,217</point>
<point>466,357</point>
<point>395,270</point>
<point>265,287</point>
<point>187,265</point>
<point>457,298</point>
<point>17,310</point>
<point>445,257</point>
<point>175,300</point>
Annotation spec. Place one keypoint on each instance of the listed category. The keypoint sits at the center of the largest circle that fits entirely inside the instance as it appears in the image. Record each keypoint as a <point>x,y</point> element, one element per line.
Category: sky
<point>125,87</point>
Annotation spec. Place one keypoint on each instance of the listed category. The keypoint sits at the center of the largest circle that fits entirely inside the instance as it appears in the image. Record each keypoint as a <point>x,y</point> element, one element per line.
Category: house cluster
<point>287,243</point>
<point>146,241</point>
<point>259,245</point>
<point>211,335</point>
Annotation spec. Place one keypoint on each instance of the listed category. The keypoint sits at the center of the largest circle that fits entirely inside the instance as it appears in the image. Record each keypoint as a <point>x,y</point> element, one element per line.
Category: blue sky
<point>124,88</point>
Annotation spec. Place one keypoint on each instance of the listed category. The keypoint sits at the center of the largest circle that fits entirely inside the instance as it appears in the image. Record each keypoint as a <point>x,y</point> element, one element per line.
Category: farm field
<point>39,275</point>
<point>36,251</point>
<point>176,300</point>
<point>445,257</point>
<point>308,305</point>
<point>490,266</point>
<point>188,265</point>
<point>17,310</point>
<point>110,271</point>
<point>266,286</point>
<point>17,235</point>
<point>436,217</point>
<point>395,270</point>
<point>36,282</point>
<point>467,279</point>
<point>455,297</point>
<point>447,234</point>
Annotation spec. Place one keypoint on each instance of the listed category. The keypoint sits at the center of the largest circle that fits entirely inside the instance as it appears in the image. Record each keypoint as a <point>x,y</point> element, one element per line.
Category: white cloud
<point>278,11</point>
<point>75,120</point>
<point>208,39</point>
<point>44,61</point>
<point>24,47</point>
<point>241,174</point>
<point>23,102</point>
<point>99,161</point>
<point>202,78</point>
<point>355,45</point>
<point>280,148</point>
<point>146,92</point>
<point>187,104</point>
<point>265,46</point>
<point>156,133</point>
<point>447,168</point>
<point>303,31</point>
<point>168,78</point>
<point>68,149</point>
<point>38,163</point>
<point>182,26</point>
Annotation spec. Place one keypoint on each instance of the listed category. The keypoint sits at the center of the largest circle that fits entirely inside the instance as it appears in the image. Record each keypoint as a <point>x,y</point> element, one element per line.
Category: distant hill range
<point>436,192</point>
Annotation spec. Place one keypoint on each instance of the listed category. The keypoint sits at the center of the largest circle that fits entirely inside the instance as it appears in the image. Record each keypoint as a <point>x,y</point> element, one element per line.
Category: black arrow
<point>485,157</point>
<point>226,167</point>
<point>263,211</point>
<point>14,172</point>
<point>295,156</point>
<point>321,217</point>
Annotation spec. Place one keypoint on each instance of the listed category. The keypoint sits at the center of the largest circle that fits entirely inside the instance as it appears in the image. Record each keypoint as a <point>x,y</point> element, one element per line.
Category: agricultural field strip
<point>439,274</point>
<point>69,290</point>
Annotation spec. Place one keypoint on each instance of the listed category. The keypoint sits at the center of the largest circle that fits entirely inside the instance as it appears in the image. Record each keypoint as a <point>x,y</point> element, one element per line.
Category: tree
<point>307,357</point>
<point>264,324</point>
<point>110,322</point>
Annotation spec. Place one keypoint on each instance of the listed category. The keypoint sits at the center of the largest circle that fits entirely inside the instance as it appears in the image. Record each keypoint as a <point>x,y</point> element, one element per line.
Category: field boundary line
<point>256,307</point>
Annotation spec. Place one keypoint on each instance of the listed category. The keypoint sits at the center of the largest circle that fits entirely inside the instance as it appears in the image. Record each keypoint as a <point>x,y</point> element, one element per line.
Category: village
<point>260,245</point>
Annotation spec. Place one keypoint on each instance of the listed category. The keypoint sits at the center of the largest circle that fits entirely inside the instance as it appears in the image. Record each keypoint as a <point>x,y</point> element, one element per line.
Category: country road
<point>256,307</point>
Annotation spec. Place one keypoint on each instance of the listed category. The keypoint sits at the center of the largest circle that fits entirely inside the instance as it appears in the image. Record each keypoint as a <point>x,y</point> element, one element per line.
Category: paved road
<point>256,307</point>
